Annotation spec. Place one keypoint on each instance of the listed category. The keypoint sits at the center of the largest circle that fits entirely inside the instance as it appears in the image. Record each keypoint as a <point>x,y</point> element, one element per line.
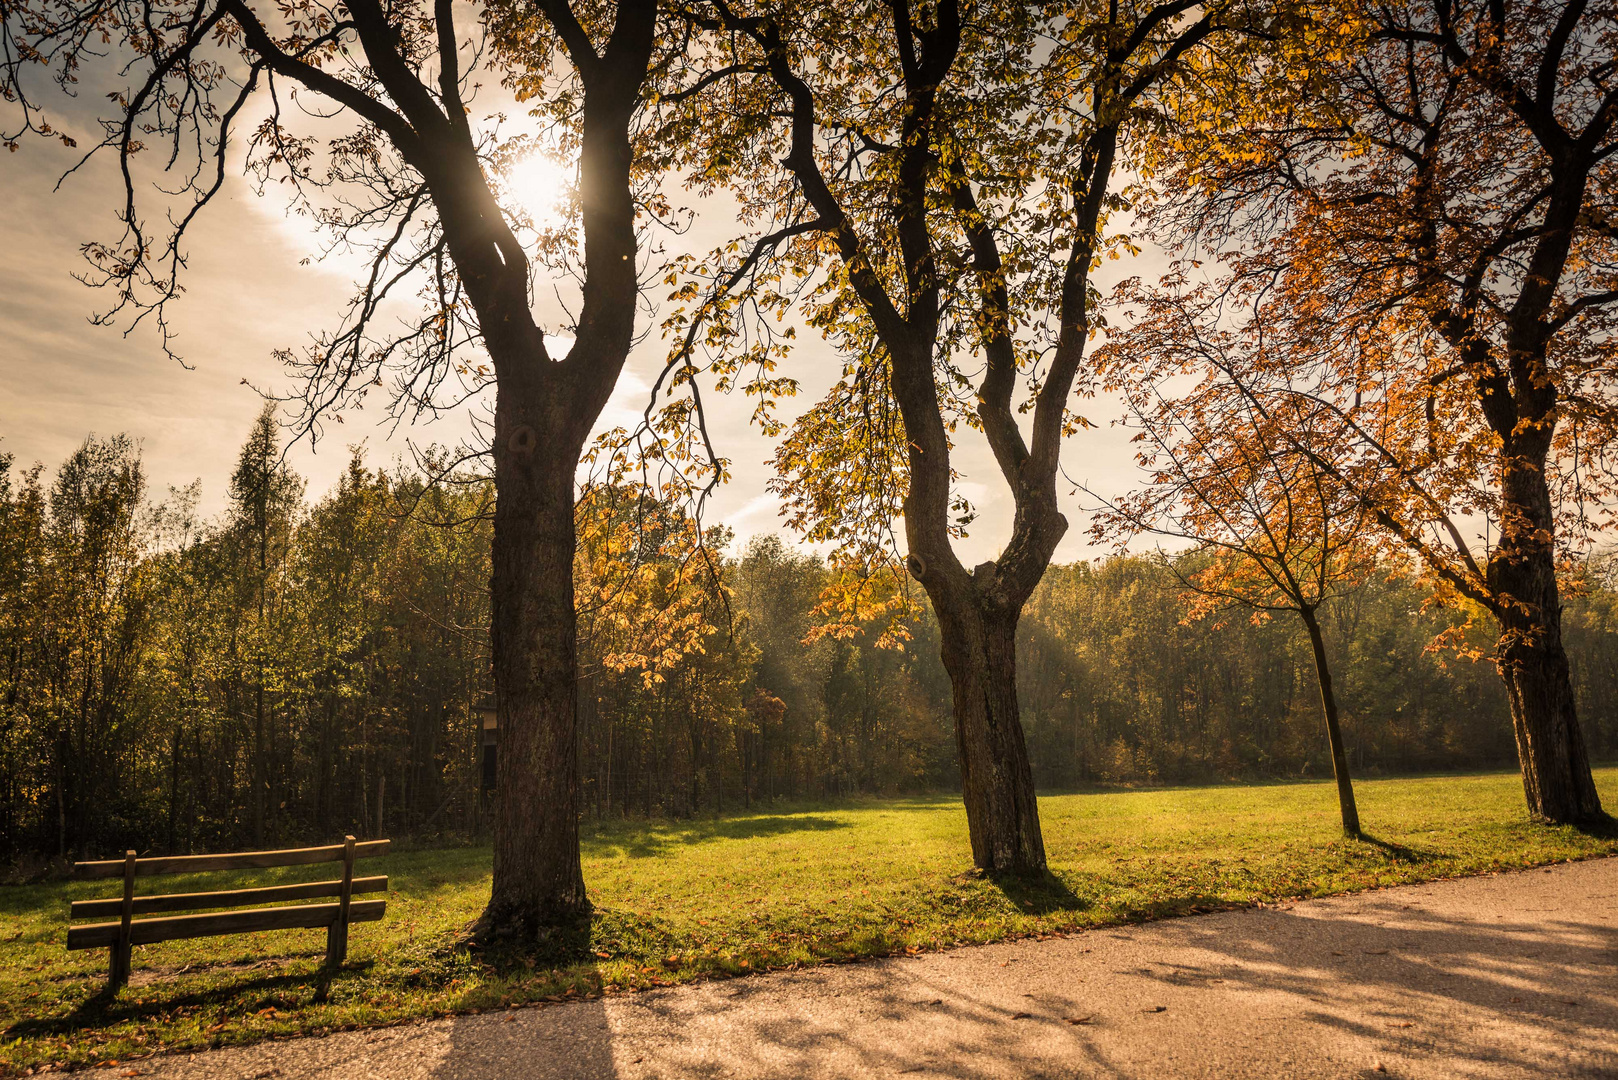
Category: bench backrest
<point>127,930</point>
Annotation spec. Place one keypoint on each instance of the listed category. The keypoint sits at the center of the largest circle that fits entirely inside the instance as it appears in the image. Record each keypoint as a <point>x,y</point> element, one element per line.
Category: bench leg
<point>337,933</point>
<point>336,944</point>
<point>118,966</point>
<point>118,974</point>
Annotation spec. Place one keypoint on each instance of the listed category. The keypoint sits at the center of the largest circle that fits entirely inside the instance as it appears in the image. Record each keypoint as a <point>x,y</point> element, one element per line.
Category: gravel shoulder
<point>1510,975</point>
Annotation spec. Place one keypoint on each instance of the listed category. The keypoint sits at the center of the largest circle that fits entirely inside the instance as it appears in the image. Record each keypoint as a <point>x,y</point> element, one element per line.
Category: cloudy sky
<point>250,290</point>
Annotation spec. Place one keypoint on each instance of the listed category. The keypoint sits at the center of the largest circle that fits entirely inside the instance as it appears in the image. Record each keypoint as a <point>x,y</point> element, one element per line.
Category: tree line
<point>300,668</point>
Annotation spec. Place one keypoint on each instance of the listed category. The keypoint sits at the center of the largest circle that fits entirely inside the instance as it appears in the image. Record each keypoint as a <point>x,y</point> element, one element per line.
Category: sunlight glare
<point>537,186</point>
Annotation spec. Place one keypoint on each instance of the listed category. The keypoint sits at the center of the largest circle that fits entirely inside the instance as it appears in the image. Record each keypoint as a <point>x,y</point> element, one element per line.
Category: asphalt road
<point>1513,975</point>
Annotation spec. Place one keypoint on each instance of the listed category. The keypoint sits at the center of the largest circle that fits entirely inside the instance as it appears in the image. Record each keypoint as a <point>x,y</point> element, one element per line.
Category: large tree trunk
<point>543,414</point>
<point>1334,732</point>
<point>980,654</point>
<point>1532,661</point>
<point>537,878</point>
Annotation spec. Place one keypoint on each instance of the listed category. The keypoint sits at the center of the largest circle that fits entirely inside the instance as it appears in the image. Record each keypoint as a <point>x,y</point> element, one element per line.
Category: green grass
<point>748,892</point>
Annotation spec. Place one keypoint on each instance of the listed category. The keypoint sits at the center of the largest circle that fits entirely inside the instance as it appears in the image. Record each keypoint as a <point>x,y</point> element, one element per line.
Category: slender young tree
<point>265,497</point>
<point>937,180</point>
<point>412,177</point>
<point>1431,227</point>
<point>1257,488</point>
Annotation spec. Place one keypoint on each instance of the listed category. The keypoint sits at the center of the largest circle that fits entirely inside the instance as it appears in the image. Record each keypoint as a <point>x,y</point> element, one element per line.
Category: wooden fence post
<point>337,933</point>
<point>118,974</point>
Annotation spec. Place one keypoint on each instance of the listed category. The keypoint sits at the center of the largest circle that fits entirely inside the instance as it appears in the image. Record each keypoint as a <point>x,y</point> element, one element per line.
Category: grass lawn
<point>678,901</point>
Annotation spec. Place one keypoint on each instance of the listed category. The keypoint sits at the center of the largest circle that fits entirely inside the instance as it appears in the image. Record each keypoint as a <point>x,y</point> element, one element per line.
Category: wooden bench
<point>128,931</point>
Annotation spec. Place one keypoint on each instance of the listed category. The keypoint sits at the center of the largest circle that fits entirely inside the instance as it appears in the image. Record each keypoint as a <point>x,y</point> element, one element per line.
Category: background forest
<point>303,668</point>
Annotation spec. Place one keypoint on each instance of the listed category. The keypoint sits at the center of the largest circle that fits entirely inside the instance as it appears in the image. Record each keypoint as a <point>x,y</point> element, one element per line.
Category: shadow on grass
<point>108,1007</point>
<point>1040,894</point>
<point>652,840</point>
<point>1050,895</point>
<point>579,943</point>
<point>554,947</point>
<point>1604,827</point>
<point>1401,851</point>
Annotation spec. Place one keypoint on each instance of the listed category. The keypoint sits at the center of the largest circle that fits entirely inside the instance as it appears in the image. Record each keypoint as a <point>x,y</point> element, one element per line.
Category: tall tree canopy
<point>1423,244</point>
<point>409,178</point>
<point>933,185</point>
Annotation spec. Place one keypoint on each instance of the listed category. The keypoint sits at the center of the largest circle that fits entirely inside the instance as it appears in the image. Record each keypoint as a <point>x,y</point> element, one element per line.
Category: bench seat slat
<point>148,931</point>
<point>148,905</point>
<point>241,860</point>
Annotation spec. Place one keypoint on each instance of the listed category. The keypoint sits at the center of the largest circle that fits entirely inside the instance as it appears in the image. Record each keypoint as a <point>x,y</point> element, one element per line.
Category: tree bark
<point>1530,655</point>
<point>1334,733</point>
<point>997,784</point>
<point>538,881</point>
<point>544,410</point>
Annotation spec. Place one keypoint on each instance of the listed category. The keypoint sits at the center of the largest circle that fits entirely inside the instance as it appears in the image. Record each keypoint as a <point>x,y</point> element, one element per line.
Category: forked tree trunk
<point>1334,732</point>
<point>997,784</point>
<point>544,410</point>
<point>537,877</point>
<point>1531,658</point>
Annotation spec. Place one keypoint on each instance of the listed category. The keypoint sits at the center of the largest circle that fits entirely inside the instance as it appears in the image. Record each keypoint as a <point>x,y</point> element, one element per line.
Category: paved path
<point>1513,975</point>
